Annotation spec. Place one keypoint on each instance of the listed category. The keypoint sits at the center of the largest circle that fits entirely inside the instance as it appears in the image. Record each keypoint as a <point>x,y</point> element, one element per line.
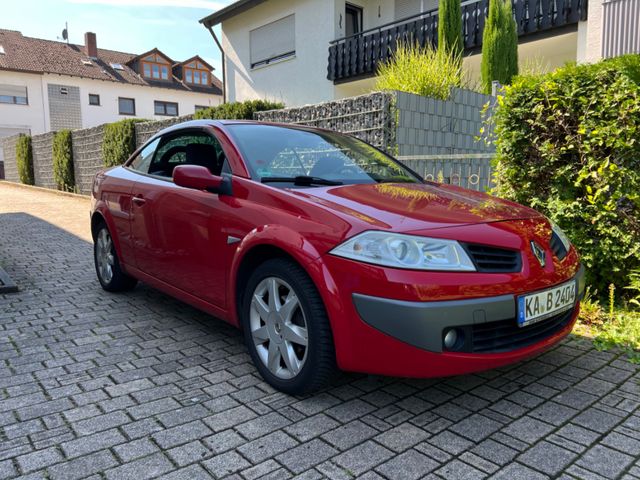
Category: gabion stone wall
<point>10,166</point>
<point>145,130</point>
<point>43,160</point>
<point>87,156</point>
<point>368,117</point>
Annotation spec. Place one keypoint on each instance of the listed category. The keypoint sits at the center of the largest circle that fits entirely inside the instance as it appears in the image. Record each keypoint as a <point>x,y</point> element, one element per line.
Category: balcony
<point>357,56</point>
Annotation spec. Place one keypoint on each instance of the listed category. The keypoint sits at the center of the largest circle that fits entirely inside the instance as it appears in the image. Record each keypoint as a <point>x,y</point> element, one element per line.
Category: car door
<point>178,233</point>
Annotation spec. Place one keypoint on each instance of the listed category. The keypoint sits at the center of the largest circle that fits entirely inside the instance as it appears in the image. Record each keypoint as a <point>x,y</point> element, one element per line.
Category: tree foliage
<point>62,154</point>
<point>568,144</point>
<point>24,159</point>
<point>450,27</point>
<point>237,110</point>
<point>119,141</point>
<point>499,45</point>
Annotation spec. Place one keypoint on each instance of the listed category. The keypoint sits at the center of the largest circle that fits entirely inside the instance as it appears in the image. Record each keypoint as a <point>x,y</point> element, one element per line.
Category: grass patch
<point>617,327</point>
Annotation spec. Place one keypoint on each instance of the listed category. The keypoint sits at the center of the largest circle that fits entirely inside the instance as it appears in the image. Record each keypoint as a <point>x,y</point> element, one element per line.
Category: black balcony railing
<point>358,55</point>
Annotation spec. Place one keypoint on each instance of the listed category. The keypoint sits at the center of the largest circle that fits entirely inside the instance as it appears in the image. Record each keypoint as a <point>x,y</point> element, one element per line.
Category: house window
<point>165,108</point>
<point>156,67</point>
<point>94,99</point>
<point>196,73</point>
<point>352,19</point>
<point>201,107</point>
<point>408,8</point>
<point>272,42</point>
<point>13,94</point>
<point>126,106</point>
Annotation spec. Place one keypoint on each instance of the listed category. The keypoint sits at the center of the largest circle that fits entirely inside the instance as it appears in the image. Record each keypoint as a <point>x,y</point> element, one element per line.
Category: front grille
<point>506,335</point>
<point>557,247</point>
<point>493,259</point>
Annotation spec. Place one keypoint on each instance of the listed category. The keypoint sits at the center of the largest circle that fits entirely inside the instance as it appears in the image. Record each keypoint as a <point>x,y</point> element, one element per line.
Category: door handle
<point>138,200</point>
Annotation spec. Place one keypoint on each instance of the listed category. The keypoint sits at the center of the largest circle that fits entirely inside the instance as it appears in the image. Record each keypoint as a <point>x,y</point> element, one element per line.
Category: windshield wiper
<point>301,180</point>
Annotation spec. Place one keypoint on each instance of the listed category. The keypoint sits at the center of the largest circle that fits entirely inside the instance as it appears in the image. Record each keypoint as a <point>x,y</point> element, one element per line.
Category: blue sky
<point>133,26</point>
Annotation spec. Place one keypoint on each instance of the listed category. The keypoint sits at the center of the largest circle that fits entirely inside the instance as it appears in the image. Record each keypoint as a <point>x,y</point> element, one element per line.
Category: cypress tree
<point>450,27</point>
<point>499,45</point>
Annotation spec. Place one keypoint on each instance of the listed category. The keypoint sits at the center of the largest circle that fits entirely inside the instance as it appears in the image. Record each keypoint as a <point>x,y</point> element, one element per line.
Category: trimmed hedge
<point>568,144</point>
<point>237,110</point>
<point>24,159</point>
<point>119,141</point>
<point>62,154</point>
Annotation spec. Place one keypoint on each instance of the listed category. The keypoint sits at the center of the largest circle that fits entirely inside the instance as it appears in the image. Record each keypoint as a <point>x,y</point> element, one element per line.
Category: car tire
<point>282,332</point>
<point>107,264</point>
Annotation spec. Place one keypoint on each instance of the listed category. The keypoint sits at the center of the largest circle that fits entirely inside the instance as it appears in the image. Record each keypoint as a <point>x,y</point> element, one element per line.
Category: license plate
<point>538,306</point>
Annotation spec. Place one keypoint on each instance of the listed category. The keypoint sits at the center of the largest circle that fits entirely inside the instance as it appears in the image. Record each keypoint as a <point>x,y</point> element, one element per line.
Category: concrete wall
<point>43,160</point>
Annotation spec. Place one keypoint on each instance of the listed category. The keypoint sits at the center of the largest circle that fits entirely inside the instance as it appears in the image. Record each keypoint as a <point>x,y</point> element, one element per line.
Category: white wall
<point>109,92</point>
<point>24,117</point>
<point>35,115</point>
<point>296,80</point>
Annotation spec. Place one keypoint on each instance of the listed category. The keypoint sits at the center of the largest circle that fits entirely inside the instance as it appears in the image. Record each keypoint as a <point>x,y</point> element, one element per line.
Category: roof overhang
<point>228,12</point>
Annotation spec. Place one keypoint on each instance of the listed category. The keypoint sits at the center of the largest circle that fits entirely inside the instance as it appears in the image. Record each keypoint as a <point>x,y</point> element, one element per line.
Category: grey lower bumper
<point>421,323</point>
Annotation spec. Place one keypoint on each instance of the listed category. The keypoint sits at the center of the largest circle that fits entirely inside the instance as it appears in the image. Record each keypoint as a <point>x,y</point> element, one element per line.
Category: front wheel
<point>110,275</point>
<point>286,328</point>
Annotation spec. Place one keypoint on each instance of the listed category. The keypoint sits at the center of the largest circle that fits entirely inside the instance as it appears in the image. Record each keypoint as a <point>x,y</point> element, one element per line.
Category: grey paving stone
<point>597,420</point>
<point>266,447</point>
<point>515,471</point>
<point>553,413</point>
<point>348,435</point>
<point>193,472</point>
<point>92,443</point>
<point>101,423</point>
<point>40,459</point>
<point>225,464</point>
<point>528,429</point>
<point>7,469</point>
<point>450,442</point>
<point>223,441</point>
<point>495,452</point>
<point>83,467</point>
<point>189,453</point>
<point>306,455</point>
<point>141,469</point>
<point>181,434</point>
<point>476,427</point>
<point>408,465</point>
<point>605,461</point>
<point>363,457</point>
<point>135,449</point>
<point>311,427</point>
<point>548,458</point>
<point>262,425</point>
<point>460,470</point>
<point>402,437</point>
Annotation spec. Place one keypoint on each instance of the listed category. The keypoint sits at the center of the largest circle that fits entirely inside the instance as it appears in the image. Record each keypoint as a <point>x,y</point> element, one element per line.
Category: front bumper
<point>422,324</point>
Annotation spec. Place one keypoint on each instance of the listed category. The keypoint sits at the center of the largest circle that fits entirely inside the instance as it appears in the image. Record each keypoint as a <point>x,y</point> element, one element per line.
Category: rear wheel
<point>110,275</point>
<point>286,328</point>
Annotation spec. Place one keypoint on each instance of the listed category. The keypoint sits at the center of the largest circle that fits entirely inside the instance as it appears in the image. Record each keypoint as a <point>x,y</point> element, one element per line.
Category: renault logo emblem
<point>538,252</point>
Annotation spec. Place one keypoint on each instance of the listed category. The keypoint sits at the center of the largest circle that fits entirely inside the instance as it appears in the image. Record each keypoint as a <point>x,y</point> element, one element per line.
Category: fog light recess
<point>453,339</point>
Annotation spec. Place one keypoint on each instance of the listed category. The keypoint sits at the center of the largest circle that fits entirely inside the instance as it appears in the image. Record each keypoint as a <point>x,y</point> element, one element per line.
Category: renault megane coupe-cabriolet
<point>328,253</point>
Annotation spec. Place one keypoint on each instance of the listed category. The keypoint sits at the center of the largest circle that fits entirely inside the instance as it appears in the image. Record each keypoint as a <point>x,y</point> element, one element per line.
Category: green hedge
<point>24,159</point>
<point>237,110</point>
<point>119,141</point>
<point>63,161</point>
<point>568,144</point>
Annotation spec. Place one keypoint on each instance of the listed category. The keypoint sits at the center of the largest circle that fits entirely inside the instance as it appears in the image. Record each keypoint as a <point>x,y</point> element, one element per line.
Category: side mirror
<point>200,178</point>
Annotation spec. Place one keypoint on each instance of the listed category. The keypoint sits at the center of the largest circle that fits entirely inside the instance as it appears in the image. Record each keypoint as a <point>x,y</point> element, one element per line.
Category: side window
<point>143,159</point>
<point>193,148</point>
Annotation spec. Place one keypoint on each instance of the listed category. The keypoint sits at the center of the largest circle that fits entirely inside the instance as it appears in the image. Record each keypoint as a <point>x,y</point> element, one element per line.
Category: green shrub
<point>24,159</point>
<point>568,144</point>
<point>119,141</point>
<point>421,70</point>
<point>499,45</point>
<point>63,161</point>
<point>450,27</point>
<point>237,110</point>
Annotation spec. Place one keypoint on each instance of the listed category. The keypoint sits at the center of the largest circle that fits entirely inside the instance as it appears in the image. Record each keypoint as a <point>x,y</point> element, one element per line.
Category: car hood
<point>414,207</point>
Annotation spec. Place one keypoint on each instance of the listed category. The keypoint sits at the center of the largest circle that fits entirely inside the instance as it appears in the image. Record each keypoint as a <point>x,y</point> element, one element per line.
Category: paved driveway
<point>141,386</point>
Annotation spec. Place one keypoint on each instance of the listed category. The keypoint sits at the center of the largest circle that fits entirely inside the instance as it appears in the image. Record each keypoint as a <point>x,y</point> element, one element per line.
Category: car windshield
<point>290,156</point>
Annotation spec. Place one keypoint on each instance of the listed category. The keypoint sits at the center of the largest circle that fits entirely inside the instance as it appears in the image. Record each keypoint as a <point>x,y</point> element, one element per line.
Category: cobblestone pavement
<point>96,385</point>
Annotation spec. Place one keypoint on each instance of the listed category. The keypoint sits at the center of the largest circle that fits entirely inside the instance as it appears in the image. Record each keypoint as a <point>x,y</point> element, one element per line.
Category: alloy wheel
<point>278,327</point>
<point>104,256</point>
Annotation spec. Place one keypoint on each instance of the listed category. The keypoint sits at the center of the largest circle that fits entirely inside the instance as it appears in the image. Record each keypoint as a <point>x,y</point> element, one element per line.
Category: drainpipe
<point>224,65</point>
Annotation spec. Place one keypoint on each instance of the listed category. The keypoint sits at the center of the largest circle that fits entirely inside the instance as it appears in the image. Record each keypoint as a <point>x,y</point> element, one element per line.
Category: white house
<point>47,85</point>
<point>307,51</point>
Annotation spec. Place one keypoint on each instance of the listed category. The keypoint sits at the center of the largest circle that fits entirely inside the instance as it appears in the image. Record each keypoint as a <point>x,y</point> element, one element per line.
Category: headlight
<point>566,243</point>
<point>405,251</point>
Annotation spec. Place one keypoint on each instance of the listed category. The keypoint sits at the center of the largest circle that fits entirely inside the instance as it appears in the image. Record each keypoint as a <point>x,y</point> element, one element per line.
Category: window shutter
<point>406,8</point>
<point>13,91</point>
<point>273,40</point>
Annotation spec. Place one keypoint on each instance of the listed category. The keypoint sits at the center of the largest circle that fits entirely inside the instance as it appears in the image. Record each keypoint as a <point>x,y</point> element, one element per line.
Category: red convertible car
<point>328,253</point>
